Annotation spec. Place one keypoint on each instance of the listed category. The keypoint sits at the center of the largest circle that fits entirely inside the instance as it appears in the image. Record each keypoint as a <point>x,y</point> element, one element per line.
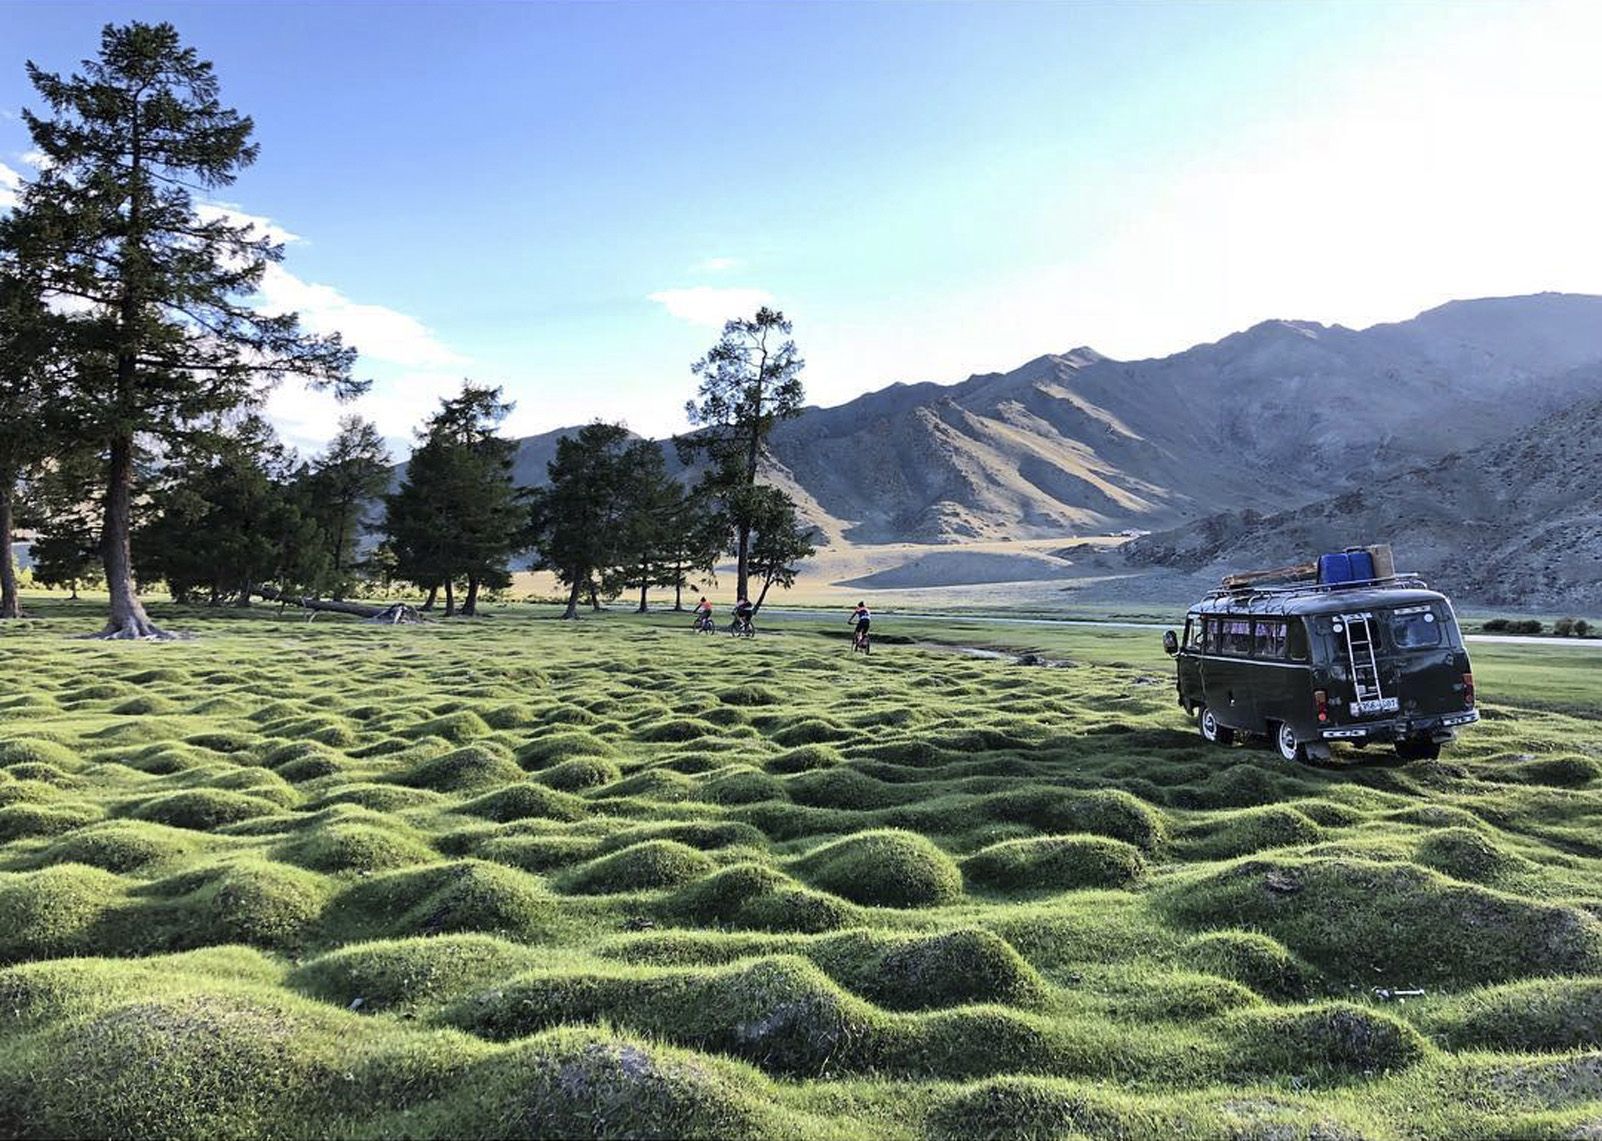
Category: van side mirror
<point>1170,642</point>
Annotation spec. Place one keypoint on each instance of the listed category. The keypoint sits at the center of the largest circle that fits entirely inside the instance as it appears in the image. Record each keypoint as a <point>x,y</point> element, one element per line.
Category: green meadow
<point>516,876</point>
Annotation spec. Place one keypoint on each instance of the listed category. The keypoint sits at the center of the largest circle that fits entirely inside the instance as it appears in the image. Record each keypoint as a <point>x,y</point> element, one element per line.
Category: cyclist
<point>743,613</point>
<point>703,614</point>
<point>861,618</point>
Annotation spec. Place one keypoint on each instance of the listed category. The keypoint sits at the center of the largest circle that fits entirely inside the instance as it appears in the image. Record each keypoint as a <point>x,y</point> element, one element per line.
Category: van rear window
<point>1417,628</point>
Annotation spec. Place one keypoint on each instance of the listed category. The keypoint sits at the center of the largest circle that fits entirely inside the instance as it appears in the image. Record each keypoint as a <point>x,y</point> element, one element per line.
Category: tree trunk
<point>10,604</point>
<point>743,572</point>
<point>128,619</point>
<point>645,585</point>
<point>244,594</point>
<point>214,599</point>
<point>595,600</point>
<point>573,599</point>
<point>450,599</point>
<point>678,586</point>
<point>433,593</point>
<point>470,603</point>
<point>757,605</point>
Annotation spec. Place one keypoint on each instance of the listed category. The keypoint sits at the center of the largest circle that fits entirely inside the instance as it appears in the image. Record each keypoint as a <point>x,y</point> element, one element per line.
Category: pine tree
<point>577,515</point>
<point>30,367</point>
<point>350,474</point>
<point>162,330</point>
<point>750,380</point>
<point>780,540</point>
<point>457,516</point>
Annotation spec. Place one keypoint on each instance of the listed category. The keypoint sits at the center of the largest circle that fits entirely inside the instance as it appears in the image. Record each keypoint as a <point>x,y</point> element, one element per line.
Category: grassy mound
<point>1024,1109</point>
<point>1056,863</point>
<point>125,846</point>
<point>411,972</point>
<point>178,1066</point>
<point>885,868</point>
<point>546,751</point>
<point>22,820</point>
<point>35,750</point>
<point>1336,1036</point>
<point>954,968</point>
<point>754,896</point>
<point>807,758</point>
<point>1103,812</point>
<point>54,912</point>
<point>781,1013</point>
<point>582,1085</point>
<point>203,809</point>
<point>1469,854</point>
<point>742,784</point>
<point>524,801</point>
<point>1252,830</point>
<point>465,896</point>
<point>352,847</point>
<point>652,864</point>
<point>471,768</point>
<point>1254,960</point>
<point>1525,1017</point>
<point>458,728</point>
<point>258,902</point>
<point>579,773</point>
<point>1354,919</point>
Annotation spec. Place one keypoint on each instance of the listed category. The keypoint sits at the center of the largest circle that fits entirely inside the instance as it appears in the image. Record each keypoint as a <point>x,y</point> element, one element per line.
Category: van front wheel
<point>1289,747</point>
<point>1211,730</point>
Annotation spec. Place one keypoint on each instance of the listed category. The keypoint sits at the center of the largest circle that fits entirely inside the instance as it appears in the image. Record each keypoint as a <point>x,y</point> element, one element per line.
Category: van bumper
<point>1441,725</point>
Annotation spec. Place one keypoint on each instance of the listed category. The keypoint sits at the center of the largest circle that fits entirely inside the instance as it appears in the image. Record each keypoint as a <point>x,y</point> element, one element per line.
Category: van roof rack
<point>1249,590</point>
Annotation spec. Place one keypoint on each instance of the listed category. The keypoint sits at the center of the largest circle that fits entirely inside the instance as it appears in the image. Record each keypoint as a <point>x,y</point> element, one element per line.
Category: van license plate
<point>1378,705</point>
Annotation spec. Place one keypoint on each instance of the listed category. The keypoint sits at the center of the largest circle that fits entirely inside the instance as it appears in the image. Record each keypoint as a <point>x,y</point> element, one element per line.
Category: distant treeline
<point>134,364</point>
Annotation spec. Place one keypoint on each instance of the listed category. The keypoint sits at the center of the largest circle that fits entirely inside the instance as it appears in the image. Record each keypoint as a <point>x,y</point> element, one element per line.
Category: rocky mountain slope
<point>1282,413</point>
<point>1515,522</point>
<point>1278,414</point>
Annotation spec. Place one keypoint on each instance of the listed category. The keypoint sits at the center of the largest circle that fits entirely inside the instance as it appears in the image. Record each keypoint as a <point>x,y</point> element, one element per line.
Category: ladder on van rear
<point>1369,695</point>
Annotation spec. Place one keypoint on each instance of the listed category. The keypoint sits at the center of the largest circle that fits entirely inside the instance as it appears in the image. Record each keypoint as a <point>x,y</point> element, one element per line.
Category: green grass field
<point>524,877</point>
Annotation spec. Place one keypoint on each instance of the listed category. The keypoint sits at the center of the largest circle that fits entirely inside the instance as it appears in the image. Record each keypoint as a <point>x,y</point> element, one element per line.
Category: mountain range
<point>1469,429</point>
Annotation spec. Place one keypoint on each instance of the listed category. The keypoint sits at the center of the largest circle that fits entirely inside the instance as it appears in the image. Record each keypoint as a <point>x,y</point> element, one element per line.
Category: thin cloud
<point>705,305</point>
<point>10,185</point>
<point>377,332</point>
<point>715,265</point>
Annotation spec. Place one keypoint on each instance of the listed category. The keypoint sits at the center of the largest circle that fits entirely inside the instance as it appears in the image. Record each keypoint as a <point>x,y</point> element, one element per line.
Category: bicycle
<point>742,628</point>
<point>860,642</point>
<point>704,625</point>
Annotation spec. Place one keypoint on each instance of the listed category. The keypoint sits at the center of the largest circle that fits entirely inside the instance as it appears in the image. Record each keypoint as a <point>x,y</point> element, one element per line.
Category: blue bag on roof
<point>1334,569</point>
<point>1362,564</point>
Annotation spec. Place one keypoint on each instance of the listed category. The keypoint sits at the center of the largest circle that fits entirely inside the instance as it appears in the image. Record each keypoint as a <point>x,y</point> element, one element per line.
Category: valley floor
<point>609,878</point>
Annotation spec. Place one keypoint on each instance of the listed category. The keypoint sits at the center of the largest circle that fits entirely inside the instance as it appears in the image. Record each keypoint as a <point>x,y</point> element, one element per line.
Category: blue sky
<point>568,198</point>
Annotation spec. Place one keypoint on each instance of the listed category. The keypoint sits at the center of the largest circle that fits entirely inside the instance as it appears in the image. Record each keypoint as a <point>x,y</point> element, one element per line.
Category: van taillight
<point>1468,691</point>
<point>1321,703</point>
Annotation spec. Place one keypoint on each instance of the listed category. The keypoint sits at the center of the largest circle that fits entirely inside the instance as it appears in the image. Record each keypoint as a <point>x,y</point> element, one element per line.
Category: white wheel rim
<point>1287,742</point>
<point>1209,724</point>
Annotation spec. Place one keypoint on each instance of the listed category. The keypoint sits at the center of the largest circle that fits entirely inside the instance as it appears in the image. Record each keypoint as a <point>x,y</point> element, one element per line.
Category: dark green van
<point>1309,665</point>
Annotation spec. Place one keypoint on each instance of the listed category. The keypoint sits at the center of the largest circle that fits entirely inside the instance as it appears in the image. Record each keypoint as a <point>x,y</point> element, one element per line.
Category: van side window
<point>1209,635</point>
<point>1268,639</point>
<point>1296,640</point>
<point>1237,639</point>
<point>1192,639</point>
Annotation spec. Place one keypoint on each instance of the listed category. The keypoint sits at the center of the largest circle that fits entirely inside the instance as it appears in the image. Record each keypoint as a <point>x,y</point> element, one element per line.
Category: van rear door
<point>1425,650</point>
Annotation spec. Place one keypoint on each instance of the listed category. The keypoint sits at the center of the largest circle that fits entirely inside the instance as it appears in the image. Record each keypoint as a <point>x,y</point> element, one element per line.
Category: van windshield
<point>1421,628</point>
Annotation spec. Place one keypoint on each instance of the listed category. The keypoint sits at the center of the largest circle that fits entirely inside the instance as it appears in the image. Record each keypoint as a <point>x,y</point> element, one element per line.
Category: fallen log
<point>396,613</point>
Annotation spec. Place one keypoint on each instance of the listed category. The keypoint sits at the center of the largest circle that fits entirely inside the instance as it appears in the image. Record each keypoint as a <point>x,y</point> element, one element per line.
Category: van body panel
<point>1390,663</point>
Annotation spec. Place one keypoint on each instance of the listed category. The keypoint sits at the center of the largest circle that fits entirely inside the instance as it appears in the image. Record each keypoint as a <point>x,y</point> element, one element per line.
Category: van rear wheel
<point>1211,730</point>
<point>1289,747</point>
<point>1418,749</point>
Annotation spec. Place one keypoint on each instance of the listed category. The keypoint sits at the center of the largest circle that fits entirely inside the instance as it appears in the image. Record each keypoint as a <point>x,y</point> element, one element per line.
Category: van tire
<point>1289,747</point>
<point>1418,749</point>
<point>1211,730</point>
